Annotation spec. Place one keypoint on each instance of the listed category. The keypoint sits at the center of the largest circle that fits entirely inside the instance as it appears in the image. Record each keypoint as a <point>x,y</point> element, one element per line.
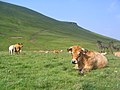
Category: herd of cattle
<point>17,48</point>
<point>84,60</point>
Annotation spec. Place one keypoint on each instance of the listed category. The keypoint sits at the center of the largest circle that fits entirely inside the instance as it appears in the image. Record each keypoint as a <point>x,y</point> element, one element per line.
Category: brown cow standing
<point>87,60</point>
<point>18,47</point>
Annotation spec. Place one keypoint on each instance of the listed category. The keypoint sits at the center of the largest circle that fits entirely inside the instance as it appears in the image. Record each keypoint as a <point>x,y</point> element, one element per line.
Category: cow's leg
<point>76,66</point>
<point>85,69</point>
<point>17,52</point>
<point>10,51</point>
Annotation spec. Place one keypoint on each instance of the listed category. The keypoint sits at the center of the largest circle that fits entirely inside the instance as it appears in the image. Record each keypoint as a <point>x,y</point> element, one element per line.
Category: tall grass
<point>48,71</point>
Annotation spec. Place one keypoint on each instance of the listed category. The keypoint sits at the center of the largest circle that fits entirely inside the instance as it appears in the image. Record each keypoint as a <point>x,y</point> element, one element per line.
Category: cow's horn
<point>83,49</point>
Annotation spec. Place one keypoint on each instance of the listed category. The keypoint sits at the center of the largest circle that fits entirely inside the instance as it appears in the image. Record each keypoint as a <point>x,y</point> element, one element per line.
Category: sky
<point>99,16</point>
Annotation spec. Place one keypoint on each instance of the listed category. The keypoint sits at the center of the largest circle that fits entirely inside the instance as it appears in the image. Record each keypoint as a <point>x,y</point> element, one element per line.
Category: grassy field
<point>49,71</point>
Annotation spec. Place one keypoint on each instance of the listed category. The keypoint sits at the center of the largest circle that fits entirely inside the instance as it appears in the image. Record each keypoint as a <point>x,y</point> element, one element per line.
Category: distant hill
<point>37,31</point>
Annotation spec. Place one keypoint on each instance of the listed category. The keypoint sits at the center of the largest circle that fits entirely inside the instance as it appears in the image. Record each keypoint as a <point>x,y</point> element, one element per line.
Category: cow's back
<point>101,60</point>
<point>117,54</point>
<point>11,47</point>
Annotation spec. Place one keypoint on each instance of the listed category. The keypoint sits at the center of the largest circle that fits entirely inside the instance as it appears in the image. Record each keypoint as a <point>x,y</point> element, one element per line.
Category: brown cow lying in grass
<point>116,54</point>
<point>57,51</point>
<point>86,60</point>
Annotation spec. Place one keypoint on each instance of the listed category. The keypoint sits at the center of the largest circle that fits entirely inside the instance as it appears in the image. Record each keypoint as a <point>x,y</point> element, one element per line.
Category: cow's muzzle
<point>74,61</point>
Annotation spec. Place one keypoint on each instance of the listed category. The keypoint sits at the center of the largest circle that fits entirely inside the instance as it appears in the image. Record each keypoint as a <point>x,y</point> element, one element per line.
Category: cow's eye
<point>80,53</point>
<point>69,50</point>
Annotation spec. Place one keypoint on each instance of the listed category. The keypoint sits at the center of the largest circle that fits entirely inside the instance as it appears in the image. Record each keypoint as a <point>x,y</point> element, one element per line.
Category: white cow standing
<point>11,49</point>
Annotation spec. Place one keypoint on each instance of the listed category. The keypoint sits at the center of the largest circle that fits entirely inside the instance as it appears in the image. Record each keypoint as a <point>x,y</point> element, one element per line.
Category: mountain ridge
<point>37,29</point>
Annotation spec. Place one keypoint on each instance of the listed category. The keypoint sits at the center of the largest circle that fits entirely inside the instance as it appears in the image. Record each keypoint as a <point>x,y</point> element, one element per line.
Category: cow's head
<point>20,44</point>
<point>76,52</point>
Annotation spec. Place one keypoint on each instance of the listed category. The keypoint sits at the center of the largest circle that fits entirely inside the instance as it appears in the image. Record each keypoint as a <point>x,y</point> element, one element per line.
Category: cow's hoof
<point>81,73</point>
<point>76,68</point>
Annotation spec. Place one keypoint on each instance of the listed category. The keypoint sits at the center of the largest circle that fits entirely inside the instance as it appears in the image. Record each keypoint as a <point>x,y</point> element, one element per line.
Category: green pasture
<point>48,71</point>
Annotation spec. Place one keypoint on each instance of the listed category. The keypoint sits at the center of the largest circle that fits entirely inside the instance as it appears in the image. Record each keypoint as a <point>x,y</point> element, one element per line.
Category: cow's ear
<point>21,43</point>
<point>84,51</point>
<point>18,43</point>
<point>69,50</point>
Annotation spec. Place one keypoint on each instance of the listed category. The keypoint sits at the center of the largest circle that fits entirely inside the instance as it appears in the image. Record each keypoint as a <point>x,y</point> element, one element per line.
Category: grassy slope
<point>39,31</point>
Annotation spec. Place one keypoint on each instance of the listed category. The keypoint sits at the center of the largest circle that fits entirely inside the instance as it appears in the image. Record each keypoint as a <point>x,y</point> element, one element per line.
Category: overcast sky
<point>100,16</point>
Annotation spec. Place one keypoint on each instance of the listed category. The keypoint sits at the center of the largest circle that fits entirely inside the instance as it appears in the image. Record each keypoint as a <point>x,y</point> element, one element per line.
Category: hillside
<point>37,31</point>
